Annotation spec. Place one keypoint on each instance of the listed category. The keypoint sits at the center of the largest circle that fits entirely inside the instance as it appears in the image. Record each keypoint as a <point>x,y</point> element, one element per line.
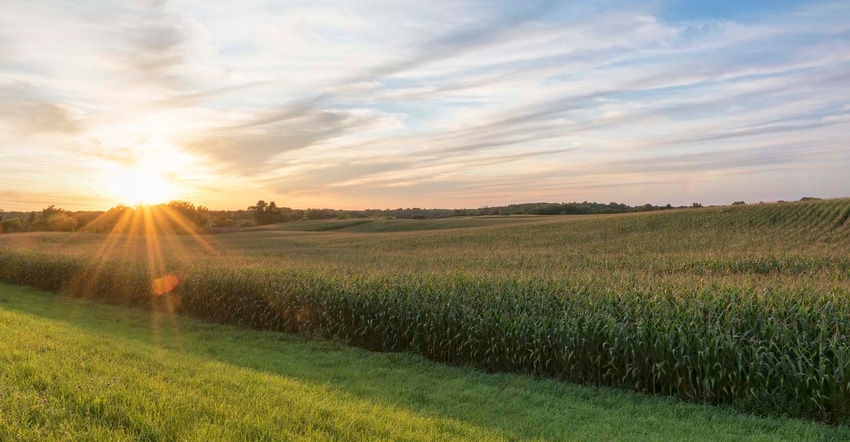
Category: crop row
<point>783,351</point>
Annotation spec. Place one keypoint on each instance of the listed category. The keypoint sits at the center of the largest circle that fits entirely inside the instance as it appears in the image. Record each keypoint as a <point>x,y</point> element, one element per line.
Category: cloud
<point>27,114</point>
<point>28,200</point>
<point>122,156</point>
<point>339,100</point>
<point>152,43</point>
<point>248,147</point>
<point>311,180</point>
<point>482,33</point>
<point>749,158</point>
<point>6,50</point>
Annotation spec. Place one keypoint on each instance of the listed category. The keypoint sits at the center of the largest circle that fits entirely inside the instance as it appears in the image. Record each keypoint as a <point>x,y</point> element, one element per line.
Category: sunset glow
<point>138,185</point>
<point>367,104</point>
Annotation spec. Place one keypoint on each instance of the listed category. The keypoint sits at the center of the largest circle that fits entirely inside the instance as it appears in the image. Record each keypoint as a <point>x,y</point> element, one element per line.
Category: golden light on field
<point>164,285</point>
<point>141,235</point>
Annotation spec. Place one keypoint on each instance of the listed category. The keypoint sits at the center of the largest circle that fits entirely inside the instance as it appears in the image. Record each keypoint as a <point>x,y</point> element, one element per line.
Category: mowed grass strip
<point>73,369</point>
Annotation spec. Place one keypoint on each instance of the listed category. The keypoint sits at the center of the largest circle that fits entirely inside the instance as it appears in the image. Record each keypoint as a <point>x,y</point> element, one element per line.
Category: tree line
<point>51,218</point>
<point>201,218</point>
<point>176,216</point>
<point>270,213</point>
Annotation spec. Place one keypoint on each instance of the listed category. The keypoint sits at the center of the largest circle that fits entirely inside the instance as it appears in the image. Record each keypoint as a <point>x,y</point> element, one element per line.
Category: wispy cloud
<point>26,113</point>
<point>152,41</point>
<point>372,103</point>
<point>249,147</point>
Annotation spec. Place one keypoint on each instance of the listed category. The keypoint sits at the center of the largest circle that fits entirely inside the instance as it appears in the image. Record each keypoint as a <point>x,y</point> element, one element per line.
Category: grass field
<point>77,370</point>
<point>396,225</point>
<point>740,305</point>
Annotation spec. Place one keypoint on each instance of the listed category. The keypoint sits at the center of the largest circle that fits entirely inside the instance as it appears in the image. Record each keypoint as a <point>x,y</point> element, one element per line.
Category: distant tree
<point>418,216</point>
<point>11,225</point>
<point>696,205</point>
<point>286,214</point>
<point>259,207</point>
<point>259,212</point>
<point>54,219</point>
<point>223,221</point>
<point>809,198</point>
<point>198,215</point>
<point>84,218</point>
<point>273,213</point>
<point>267,213</point>
<point>739,203</point>
<point>314,214</point>
<point>111,219</point>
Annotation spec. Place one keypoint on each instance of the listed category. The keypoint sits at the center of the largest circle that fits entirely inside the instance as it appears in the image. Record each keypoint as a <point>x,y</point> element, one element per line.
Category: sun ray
<point>154,237</point>
<point>85,282</point>
<point>190,229</point>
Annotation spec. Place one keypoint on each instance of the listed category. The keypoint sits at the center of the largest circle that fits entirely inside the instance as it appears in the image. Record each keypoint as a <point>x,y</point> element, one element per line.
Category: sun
<point>139,185</point>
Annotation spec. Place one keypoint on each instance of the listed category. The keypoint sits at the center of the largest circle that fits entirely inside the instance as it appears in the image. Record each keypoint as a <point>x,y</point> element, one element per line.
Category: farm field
<point>745,305</point>
<point>80,370</point>
<point>398,225</point>
<point>412,220</point>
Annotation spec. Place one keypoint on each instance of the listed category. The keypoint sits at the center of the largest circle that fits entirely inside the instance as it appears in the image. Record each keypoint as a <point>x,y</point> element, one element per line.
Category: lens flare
<point>164,285</point>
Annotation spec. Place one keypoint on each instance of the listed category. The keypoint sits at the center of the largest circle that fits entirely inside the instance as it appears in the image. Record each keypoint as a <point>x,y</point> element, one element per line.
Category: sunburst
<point>139,185</point>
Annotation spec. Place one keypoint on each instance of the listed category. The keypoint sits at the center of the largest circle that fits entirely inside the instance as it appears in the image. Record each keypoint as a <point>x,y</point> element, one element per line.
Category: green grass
<point>78,370</point>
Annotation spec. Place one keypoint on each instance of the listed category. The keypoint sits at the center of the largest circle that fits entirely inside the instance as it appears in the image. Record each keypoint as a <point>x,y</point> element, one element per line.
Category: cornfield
<point>745,306</point>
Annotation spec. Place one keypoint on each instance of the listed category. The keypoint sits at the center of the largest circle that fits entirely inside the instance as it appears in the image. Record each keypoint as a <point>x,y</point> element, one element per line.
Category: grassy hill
<point>392,225</point>
<point>744,305</point>
<point>308,226</point>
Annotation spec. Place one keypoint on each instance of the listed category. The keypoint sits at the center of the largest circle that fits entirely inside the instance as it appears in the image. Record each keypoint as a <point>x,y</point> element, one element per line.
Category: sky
<point>453,104</point>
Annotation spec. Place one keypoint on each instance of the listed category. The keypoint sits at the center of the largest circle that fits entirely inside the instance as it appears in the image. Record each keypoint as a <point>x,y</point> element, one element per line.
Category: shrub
<point>11,225</point>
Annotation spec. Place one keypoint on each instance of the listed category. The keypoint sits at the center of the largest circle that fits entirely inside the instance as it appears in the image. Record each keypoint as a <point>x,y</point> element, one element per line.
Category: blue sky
<point>379,103</point>
<point>728,10</point>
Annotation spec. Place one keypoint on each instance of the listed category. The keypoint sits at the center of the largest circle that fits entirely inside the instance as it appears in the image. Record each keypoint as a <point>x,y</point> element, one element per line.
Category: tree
<point>259,212</point>
<point>260,207</point>
<point>197,215</point>
<point>314,214</point>
<point>267,213</point>
<point>11,225</point>
<point>739,203</point>
<point>53,219</point>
